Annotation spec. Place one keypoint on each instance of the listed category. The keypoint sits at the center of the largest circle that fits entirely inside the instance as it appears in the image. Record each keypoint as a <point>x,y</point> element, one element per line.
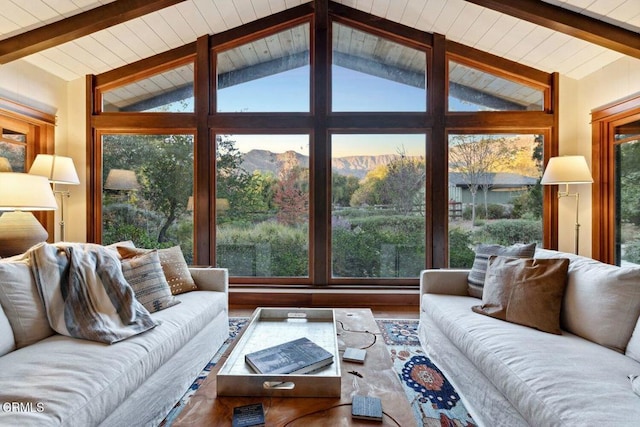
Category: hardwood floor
<point>386,312</point>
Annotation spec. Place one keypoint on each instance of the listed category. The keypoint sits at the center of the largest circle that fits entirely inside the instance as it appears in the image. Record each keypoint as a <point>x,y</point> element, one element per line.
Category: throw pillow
<point>174,266</point>
<point>525,291</point>
<point>475,281</point>
<point>144,274</point>
<point>22,304</point>
<point>7,342</point>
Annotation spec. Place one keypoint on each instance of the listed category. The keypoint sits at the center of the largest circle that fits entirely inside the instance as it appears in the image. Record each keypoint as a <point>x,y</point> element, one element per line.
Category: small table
<point>376,377</point>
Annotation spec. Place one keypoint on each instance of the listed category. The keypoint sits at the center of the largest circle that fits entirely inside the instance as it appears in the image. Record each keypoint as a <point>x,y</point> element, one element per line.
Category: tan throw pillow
<point>144,274</point>
<point>525,291</point>
<point>475,281</point>
<point>176,270</point>
<point>22,304</point>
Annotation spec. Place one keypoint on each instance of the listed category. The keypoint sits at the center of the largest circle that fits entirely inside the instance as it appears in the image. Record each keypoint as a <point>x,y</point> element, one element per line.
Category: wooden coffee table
<point>376,377</point>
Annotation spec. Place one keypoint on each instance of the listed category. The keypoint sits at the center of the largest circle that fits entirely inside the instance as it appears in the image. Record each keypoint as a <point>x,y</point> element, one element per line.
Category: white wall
<point>577,98</point>
<point>27,84</point>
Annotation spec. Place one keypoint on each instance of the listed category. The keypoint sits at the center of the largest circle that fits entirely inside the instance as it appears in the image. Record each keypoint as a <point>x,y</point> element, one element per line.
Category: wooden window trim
<point>604,121</point>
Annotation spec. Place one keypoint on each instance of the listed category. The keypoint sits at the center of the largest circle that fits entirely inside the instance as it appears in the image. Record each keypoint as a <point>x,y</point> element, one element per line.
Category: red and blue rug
<point>432,397</point>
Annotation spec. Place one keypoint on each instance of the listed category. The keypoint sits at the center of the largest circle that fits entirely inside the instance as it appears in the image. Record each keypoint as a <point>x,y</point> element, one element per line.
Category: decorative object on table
<point>568,170</point>
<point>366,408</point>
<point>248,415</point>
<point>58,170</point>
<point>21,193</point>
<point>299,356</point>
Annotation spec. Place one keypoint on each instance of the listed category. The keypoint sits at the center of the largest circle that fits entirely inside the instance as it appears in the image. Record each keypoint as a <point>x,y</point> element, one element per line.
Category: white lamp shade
<point>25,192</point>
<point>57,169</point>
<point>567,170</point>
<point>121,179</point>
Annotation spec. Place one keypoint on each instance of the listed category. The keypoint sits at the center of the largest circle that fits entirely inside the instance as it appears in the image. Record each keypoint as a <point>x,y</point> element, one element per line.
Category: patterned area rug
<point>432,397</point>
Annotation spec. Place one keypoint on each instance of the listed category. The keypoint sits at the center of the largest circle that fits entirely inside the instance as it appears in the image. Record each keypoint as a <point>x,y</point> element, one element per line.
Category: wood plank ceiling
<point>459,20</point>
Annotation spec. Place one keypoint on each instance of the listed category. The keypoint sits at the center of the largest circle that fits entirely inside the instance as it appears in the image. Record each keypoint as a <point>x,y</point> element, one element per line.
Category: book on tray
<point>299,356</point>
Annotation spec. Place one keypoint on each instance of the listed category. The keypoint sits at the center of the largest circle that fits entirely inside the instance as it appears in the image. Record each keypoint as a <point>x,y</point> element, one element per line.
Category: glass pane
<point>628,196</point>
<point>473,90</point>
<point>495,194</point>
<point>13,149</point>
<point>378,205</point>
<point>370,73</point>
<point>169,91</point>
<point>262,205</point>
<point>147,184</point>
<point>271,74</point>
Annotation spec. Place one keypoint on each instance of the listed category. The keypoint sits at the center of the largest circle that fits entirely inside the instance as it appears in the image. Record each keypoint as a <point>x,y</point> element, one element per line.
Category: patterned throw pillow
<point>144,274</point>
<point>475,281</point>
<point>174,266</point>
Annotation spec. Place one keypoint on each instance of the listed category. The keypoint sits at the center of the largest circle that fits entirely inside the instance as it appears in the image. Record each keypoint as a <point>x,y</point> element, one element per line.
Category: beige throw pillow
<point>22,304</point>
<point>144,274</point>
<point>525,291</point>
<point>633,347</point>
<point>475,281</point>
<point>176,270</point>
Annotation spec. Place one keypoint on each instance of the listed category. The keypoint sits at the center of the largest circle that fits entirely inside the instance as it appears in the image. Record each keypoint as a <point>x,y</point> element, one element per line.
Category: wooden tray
<point>272,326</point>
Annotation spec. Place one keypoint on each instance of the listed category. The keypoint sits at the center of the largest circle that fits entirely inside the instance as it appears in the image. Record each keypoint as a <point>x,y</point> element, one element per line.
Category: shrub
<point>460,253</point>
<point>632,252</point>
<point>508,232</point>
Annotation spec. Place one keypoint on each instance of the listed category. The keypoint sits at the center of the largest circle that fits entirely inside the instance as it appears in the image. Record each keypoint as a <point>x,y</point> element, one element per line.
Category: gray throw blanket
<point>85,294</point>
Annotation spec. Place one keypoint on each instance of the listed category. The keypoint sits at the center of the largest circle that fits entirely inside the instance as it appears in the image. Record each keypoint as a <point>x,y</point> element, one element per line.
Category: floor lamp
<point>568,170</point>
<point>58,170</point>
<point>21,193</point>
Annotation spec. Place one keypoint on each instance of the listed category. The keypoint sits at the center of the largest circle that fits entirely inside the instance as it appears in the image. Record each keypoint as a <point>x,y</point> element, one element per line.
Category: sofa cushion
<point>478,271</point>
<point>601,302</point>
<point>22,304</point>
<point>7,342</point>
<point>175,267</point>
<point>144,274</point>
<point>552,380</point>
<point>633,347</point>
<point>82,382</point>
<point>525,291</point>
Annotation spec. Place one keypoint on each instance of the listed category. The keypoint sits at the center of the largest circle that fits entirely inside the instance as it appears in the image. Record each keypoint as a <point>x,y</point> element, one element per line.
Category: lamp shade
<point>25,192</point>
<point>57,169</point>
<point>121,179</point>
<point>566,170</point>
<point>5,165</point>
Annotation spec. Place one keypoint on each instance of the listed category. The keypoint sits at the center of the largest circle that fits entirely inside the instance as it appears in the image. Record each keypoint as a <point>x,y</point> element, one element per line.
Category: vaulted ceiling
<point>72,38</point>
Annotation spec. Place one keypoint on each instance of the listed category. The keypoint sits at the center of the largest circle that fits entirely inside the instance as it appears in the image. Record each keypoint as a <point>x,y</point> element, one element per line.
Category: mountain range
<point>358,166</point>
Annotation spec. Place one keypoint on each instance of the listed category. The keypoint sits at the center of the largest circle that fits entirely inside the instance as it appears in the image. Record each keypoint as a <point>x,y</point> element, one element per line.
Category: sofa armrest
<point>210,278</point>
<point>445,281</point>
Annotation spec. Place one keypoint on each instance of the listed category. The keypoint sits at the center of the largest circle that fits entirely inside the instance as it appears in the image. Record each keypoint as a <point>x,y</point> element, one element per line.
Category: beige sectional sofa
<point>48,379</point>
<point>514,375</point>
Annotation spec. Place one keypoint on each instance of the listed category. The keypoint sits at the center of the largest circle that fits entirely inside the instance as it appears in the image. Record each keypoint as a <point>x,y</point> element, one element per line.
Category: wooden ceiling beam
<point>76,26</point>
<point>568,22</point>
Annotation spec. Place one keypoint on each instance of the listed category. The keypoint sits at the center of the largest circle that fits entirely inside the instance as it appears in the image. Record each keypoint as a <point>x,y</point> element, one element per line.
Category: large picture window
<point>262,205</point>
<point>495,196</point>
<point>308,151</point>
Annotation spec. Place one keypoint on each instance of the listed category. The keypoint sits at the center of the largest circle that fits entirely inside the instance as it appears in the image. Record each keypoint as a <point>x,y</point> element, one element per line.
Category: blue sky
<point>353,91</point>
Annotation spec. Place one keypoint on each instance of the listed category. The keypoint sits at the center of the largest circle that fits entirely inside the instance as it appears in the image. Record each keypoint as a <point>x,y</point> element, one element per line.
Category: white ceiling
<point>460,21</point>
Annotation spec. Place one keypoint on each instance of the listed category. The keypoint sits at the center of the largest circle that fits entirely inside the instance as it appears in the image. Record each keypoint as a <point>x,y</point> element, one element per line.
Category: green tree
<point>342,188</point>
<point>404,180</point>
<point>168,178</point>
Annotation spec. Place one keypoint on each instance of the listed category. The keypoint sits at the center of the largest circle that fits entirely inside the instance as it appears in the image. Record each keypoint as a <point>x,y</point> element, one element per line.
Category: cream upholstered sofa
<point>513,375</point>
<point>48,379</point>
